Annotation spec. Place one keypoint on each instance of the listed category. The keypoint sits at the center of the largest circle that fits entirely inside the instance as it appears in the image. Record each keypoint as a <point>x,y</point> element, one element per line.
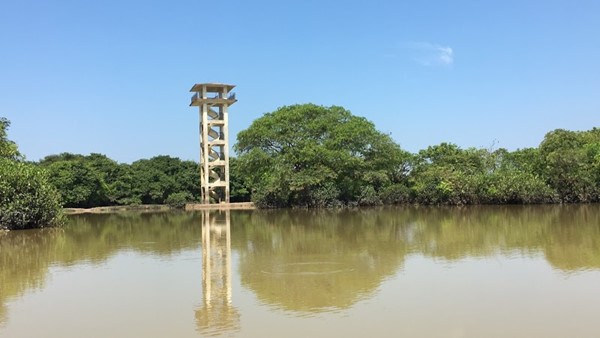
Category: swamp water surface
<point>501,271</point>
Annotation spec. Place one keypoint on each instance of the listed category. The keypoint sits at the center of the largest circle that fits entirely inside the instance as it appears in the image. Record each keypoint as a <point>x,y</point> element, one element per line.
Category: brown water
<point>511,271</point>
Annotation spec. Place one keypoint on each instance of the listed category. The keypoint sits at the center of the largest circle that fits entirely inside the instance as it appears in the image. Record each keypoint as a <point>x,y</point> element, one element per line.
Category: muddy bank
<point>118,208</point>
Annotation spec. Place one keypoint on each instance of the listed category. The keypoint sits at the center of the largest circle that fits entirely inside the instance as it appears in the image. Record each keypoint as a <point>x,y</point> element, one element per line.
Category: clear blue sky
<point>112,77</point>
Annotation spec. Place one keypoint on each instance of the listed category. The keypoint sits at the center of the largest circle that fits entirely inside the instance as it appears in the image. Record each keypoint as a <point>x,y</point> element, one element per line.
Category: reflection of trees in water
<point>569,235</point>
<point>23,262</point>
<point>312,260</point>
<point>217,313</point>
<point>27,255</point>
<point>97,237</point>
<point>315,260</point>
<point>574,241</point>
<point>322,260</point>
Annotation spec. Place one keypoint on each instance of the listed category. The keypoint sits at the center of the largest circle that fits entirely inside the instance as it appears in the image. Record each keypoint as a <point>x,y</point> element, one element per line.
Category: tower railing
<point>197,97</point>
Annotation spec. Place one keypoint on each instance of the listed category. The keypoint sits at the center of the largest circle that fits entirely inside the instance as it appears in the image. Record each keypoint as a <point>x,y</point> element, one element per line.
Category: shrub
<point>27,200</point>
<point>369,197</point>
<point>179,199</point>
<point>396,194</point>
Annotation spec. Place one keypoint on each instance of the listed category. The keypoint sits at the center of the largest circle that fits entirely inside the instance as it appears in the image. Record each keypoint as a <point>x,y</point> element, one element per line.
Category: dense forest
<point>96,180</point>
<point>314,156</point>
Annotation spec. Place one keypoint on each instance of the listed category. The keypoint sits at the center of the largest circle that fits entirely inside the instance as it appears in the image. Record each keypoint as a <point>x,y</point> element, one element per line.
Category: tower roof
<point>211,87</point>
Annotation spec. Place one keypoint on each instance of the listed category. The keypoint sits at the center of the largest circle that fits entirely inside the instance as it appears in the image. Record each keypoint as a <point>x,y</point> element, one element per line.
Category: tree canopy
<point>96,180</point>
<point>307,155</point>
<point>314,156</point>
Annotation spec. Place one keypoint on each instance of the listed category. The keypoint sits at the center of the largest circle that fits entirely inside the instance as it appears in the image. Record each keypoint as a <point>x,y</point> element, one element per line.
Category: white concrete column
<point>205,153</point>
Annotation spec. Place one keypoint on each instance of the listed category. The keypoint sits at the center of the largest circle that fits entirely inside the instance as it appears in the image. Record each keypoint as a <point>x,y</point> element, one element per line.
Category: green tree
<point>79,184</point>
<point>8,148</point>
<point>62,157</point>
<point>570,164</point>
<point>447,174</point>
<point>156,178</point>
<point>517,178</point>
<point>121,190</point>
<point>315,156</point>
<point>88,181</point>
<point>239,190</point>
<point>27,200</point>
<point>96,180</point>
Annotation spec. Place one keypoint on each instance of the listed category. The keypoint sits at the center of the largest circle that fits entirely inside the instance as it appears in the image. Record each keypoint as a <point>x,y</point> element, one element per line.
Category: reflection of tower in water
<point>217,314</point>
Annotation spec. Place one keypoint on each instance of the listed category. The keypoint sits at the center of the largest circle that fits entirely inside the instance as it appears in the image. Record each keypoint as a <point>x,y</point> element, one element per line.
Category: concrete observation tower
<point>213,100</point>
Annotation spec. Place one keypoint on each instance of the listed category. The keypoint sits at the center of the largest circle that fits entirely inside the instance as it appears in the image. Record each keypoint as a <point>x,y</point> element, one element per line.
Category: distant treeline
<point>313,156</point>
<point>96,180</point>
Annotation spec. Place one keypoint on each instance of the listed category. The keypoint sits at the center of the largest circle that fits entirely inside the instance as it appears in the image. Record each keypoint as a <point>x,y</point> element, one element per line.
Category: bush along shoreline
<point>27,198</point>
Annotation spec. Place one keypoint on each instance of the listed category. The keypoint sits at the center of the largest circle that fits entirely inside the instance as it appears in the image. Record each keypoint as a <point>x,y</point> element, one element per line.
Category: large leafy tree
<point>27,200</point>
<point>155,179</point>
<point>571,164</point>
<point>80,185</point>
<point>309,155</point>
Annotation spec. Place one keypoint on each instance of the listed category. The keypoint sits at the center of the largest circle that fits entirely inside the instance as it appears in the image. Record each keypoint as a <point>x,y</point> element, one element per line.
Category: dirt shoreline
<point>117,208</point>
<point>220,206</point>
<point>158,207</point>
